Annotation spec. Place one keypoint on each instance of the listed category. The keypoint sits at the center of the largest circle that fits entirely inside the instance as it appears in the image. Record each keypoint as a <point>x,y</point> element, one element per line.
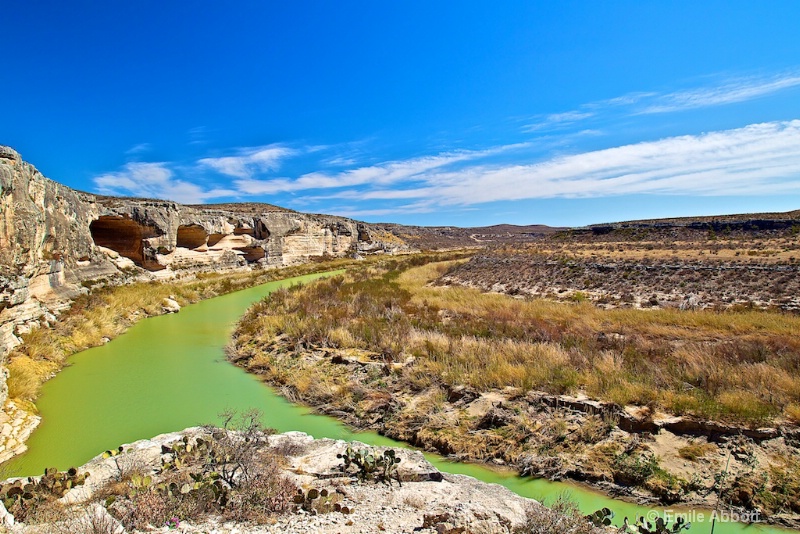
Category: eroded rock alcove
<point>191,236</point>
<point>126,237</point>
<point>261,230</point>
<point>253,254</point>
<point>213,239</point>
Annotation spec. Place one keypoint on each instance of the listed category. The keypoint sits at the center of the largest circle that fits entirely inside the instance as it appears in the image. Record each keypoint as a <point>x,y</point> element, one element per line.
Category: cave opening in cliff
<point>244,230</point>
<point>124,236</point>
<point>213,239</point>
<point>262,232</point>
<point>191,236</point>
<point>253,254</point>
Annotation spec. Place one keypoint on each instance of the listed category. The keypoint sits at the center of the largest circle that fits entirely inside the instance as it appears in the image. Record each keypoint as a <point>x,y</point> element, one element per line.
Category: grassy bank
<point>735,366</point>
<point>453,369</point>
<point>107,312</point>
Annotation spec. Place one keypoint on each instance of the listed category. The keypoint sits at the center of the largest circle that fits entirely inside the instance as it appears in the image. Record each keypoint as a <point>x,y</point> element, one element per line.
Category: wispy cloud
<point>557,120</point>
<point>722,92</point>
<point>155,180</point>
<point>755,160</point>
<point>737,90</point>
<point>341,161</point>
<point>624,100</point>
<point>376,175</point>
<point>760,159</point>
<point>138,149</point>
<point>249,161</point>
<point>198,135</point>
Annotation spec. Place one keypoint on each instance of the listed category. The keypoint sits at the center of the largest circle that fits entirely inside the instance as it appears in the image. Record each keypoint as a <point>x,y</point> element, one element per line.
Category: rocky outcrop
<point>158,235</point>
<point>422,499</point>
<point>46,249</point>
<point>55,240</point>
<point>16,425</point>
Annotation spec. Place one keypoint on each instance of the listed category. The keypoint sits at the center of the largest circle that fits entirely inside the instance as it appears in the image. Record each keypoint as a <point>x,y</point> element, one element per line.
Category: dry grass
<point>386,348</point>
<point>738,365</point>
<point>107,312</point>
<point>695,451</point>
<point>26,376</point>
<point>561,517</point>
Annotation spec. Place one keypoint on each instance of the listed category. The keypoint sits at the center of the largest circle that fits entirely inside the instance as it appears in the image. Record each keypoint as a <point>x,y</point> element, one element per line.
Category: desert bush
<point>230,473</point>
<point>260,497</point>
<point>560,517</point>
<point>147,509</point>
<point>633,468</point>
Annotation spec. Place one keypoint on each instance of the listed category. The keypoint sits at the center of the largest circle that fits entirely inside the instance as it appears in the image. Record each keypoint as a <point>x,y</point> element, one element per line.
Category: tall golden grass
<point>740,366</point>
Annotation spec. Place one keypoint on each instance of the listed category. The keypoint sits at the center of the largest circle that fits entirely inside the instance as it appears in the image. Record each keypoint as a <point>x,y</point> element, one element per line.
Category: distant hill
<point>770,220</point>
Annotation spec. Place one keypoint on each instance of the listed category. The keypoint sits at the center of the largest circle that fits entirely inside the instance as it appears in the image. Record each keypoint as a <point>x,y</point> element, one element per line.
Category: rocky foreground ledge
<point>418,498</point>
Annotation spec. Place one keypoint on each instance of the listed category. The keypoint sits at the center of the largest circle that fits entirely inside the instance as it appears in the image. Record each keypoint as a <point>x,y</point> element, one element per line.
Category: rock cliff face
<point>45,247</point>
<point>54,240</point>
<point>159,235</point>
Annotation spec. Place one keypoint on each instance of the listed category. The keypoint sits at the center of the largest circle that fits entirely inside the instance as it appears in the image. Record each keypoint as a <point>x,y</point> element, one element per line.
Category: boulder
<point>170,305</point>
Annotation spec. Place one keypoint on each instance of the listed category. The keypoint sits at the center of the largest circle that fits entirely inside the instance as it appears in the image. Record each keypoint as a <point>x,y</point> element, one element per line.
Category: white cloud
<point>377,175</point>
<point>754,160</point>
<point>416,207</point>
<point>249,161</point>
<point>557,120</point>
<point>155,180</point>
<point>624,100</point>
<point>726,91</point>
<point>341,161</point>
<point>198,135</point>
<point>138,149</point>
<point>760,159</point>
<point>738,90</point>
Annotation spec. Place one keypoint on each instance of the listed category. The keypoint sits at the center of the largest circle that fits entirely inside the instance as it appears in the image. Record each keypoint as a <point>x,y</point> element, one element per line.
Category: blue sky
<point>420,112</point>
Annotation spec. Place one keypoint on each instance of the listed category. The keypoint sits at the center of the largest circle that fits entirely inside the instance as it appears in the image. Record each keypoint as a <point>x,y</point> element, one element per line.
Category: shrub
<point>230,474</point>
<point>634,469</point>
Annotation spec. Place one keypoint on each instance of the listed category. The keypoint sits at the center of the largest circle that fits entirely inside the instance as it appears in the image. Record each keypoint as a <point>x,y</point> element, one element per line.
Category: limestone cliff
<point>46,248</point>
<point>55,240</point>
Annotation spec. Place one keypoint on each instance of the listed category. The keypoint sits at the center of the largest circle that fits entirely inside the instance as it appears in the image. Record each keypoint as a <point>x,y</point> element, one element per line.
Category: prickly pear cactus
<point>660,526</point>
<point>370,465</point>
<point>601,518</point>
<point>23,495</point>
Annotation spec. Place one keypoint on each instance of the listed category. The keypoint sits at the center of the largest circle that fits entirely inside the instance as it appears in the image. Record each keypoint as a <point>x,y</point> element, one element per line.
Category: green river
<point>169,372</point>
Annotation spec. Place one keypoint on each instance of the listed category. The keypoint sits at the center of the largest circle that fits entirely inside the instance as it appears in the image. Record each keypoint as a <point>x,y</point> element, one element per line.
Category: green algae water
<point>169,372</point>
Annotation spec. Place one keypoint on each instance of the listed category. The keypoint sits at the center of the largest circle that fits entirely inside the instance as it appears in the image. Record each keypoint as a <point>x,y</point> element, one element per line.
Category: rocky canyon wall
<point>54,241</point>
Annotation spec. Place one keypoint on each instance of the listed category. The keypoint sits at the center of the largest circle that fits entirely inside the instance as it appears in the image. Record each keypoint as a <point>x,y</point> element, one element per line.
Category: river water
<point>169,372</point>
